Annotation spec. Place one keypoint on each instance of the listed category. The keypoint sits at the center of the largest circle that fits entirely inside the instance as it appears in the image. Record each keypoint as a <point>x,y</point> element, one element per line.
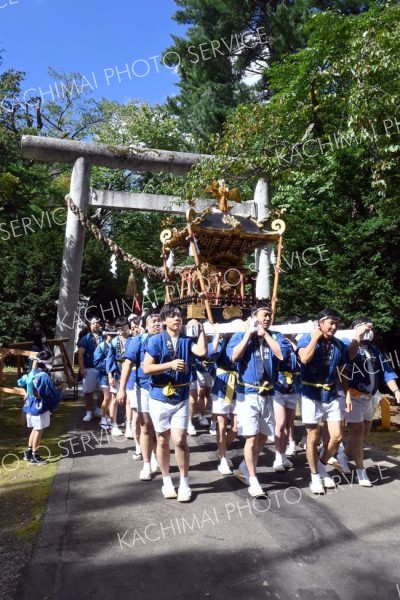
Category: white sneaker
<point>333,461</point>
<point>191,429</point>
<point>228,460</point>
<point>88,416</point>
<point>213,430</point>
<point>317,486</point>
<point>278,466</point>
<point>242,474</point>
<point>328,483</point>
<point>155,467</point>
<point>322,469</point>
<point>342,464</point>
<point>303,443</point>
<point>203,421</point>
<point>137,456</point>
<point>115,430</point>
<point>256,490</point>
<point>363,478</point>
<point>168,491</point>
<point>103,423</point>
<point>184,494</point>
<point>290,449</point>
<point>287,463</point>
<point>97,412</point>
<point>129,433</point>
<point>145,475</point>
<point>223,467</point>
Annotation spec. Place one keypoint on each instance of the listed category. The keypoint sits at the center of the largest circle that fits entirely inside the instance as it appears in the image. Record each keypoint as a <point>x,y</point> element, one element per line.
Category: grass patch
<point>387,441</point>
<point>25,488</point>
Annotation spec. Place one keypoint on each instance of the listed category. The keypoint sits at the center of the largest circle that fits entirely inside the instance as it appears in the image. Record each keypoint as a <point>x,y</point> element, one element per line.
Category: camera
<point>193,331</point>
<point>368,336</point>
<point>253,325</point>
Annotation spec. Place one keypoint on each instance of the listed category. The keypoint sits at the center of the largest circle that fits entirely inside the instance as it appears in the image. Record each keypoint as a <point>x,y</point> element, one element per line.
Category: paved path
<point>107,535</point>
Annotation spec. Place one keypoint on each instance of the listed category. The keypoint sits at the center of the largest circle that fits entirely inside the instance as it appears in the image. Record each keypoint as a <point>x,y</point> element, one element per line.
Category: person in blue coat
<point>87,345</point>
<point>99,363</point>
<point>42,398</point>
<point>168,361</point>
<point>224,400</point>
<point>115,358</point>
<point>320,354</point>
<point>285,401</point>
<point>133,365</point>
<point>369,371</point>
<point>257,353</point>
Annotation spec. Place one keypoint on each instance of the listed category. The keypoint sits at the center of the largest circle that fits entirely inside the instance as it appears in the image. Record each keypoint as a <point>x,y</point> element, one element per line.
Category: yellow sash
<point>265,387</point>
<point>289,376</point>
<point>205,363</point>
<point>230,384</point>
<point>324,386</point>
<point>170,389</point>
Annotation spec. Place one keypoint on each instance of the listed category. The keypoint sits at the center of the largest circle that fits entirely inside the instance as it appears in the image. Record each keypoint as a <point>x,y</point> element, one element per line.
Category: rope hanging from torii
<point>107,242</point>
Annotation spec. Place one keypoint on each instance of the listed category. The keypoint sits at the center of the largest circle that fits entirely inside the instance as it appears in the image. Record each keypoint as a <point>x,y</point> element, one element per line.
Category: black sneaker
<point>28,454</point>
<point>38,460</point>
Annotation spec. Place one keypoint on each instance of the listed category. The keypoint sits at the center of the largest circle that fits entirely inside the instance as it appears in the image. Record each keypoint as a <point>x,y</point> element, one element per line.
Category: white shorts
<point>114,389</point>
<point>204,379</point>
<point>142,396</point>
<point>221,407</point>
<point>90,383</point>
<point>38,422</point>
<point>314,412</point>
<point>363,409</point>
<point>132,397</point>
<point>255,414</point>
<point>167,416</point>
<point>288,400</point>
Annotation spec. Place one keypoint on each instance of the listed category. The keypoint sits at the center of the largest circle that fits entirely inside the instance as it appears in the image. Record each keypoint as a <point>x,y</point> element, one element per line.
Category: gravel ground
<point>14,556</point>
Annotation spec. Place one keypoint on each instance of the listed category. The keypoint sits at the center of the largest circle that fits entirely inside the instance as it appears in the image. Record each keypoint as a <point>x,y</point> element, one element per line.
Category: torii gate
<point>83,155</point>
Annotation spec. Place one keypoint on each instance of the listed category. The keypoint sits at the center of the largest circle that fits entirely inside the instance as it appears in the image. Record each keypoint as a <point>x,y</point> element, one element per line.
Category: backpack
<point>41,394</point>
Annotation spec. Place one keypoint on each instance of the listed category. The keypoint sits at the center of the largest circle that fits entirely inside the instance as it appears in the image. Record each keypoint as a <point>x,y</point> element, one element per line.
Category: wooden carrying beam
<point>15,350</point>
<point>28,344</point>
<point>16,391</point>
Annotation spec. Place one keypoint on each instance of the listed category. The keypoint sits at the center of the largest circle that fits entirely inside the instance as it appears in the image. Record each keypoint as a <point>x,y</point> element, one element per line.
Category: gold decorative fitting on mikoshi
<point>224,239</point>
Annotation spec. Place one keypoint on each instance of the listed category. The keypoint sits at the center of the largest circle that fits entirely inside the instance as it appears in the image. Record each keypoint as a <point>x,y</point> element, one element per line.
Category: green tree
<point>32,208</point>
<point>329,143</point>
<point>141,126</point>
<point>224,57</point>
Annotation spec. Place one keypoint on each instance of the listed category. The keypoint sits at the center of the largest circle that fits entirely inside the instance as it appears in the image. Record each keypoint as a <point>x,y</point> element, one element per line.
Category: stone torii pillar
<point>263,255</point>
<point>73,255</point>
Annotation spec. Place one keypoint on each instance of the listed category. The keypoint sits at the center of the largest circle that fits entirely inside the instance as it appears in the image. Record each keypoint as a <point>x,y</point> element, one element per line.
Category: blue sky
<point>96,38</point>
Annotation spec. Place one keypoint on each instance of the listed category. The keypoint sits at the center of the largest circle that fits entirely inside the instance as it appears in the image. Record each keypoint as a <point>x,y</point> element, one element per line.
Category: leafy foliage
<point>329,142</point>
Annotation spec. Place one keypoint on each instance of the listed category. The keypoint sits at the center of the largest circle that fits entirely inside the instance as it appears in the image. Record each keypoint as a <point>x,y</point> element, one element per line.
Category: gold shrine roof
<point>224,239</point>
